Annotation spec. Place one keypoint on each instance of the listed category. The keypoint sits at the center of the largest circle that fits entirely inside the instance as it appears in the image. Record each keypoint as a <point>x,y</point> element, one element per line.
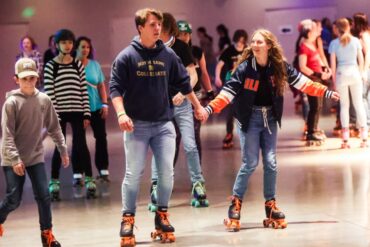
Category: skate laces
<point>198,188</point>
<point>163,216</point>
<point>237,204</point>
<point>48,234</point>
<point>128,221</point>
<point>272,205</point>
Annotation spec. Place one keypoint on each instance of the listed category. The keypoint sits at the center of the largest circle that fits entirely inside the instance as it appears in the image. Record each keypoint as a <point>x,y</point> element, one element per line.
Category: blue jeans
<point>258,137</point>
<point>160,137</point>
<point>184,119</point>
<point>14,190</point>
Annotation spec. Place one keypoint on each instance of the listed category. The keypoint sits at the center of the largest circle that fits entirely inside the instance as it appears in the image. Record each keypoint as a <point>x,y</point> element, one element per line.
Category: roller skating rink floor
<point>323,191</point>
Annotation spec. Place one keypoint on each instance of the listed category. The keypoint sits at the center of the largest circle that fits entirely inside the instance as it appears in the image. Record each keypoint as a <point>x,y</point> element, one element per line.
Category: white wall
<point>94,18</point>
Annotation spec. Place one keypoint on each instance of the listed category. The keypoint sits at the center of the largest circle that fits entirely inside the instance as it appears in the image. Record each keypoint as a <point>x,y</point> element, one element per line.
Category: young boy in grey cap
<point>25,113</point>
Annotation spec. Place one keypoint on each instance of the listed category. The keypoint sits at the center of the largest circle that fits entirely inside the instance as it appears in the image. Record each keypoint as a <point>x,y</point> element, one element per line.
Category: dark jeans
<point>314,113</point>
<point>81,162</point>
<point>101,145</point>
<point>14,190</point>
<point>197,125</point>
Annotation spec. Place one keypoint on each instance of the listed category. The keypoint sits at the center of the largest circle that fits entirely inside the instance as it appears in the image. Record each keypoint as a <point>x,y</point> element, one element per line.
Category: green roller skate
<point>152,206</point>
<point>199,195</point>
<point>90,188</point>
<point>54,189</point>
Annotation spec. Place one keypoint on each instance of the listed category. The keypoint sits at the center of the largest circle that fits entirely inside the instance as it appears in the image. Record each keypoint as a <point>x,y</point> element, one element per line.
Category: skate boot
<point>54,188</point>
<point>104,182</point>
<point>199,195</point>
<point>152,206</point>
<point>233,222</point>
<point>48,239</point>
<point>345,144</point>
<point>77,187</point>
<point>321,134</point>
<point>314,140</point>
<point>163,229</point>
<point>127,230</point>
<point>364,144</point>
<point>1,230</point>
<point>274,216</point>
<point>90,188</point>
<point>228,141</point>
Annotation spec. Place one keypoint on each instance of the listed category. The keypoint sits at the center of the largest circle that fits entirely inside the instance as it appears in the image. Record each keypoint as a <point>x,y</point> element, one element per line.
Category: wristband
<point>121,113</point>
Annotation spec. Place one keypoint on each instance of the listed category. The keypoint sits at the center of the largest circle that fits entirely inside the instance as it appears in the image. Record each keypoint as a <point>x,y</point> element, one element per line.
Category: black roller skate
<point>314,140</point>
<point>163,229</point>
<point>54,189</point>
<point>152,206</point>
<point>345,144</point>
<point>199,195</point>
<point>364,144</point>
<point>274,216</point>
<point>90,188</point>
<point>48,239</point>
<point>233,222</point>
<point>77,187</point>
<point>228,141</point>
<point>127,230</point>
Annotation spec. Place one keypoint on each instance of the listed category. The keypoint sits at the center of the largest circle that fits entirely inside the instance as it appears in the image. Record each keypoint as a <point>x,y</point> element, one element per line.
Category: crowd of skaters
<point>251,75</point>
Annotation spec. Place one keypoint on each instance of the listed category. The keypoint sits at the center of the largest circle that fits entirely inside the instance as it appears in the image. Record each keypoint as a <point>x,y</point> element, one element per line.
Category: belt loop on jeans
<point>264,110</point>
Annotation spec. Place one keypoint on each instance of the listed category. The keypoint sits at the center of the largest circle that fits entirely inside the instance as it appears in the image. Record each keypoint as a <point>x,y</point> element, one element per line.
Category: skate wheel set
<point>314,143</point>
<point>276,224</point>
<point>232,224</point>
<point>128,241</point>
<point>55,197</point>
<point>152,207</point>
<point>199,203</point>
<point>165,237</point>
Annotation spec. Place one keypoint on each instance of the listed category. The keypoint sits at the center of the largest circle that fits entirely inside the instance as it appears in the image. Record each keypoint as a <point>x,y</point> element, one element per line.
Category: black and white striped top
<point>68,90</point>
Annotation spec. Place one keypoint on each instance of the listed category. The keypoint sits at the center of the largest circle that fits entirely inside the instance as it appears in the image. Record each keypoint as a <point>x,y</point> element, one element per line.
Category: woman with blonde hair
<point>347,64</point>
<point>256,89</point>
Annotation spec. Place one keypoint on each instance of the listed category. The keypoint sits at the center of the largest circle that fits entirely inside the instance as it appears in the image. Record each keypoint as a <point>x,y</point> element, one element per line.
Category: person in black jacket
<point>256,88</point>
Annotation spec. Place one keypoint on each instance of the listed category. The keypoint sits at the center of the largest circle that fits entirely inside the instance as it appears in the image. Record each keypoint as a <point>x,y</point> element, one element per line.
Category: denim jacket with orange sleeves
<point>242,88</point>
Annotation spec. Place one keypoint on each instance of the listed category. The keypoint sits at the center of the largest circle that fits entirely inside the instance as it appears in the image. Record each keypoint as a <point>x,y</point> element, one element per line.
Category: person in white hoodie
<point>25,113</point>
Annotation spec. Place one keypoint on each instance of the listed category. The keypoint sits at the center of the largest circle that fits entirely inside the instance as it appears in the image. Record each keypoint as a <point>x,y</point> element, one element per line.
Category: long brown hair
<point>275,56</point>
<point>360,24</point>
<point>343,27</point>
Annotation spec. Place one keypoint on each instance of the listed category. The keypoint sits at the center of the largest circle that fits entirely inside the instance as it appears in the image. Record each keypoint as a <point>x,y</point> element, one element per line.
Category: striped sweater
<point>68,90</point>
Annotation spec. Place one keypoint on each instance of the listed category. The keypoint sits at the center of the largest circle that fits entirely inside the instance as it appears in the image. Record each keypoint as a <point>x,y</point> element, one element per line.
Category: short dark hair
<point>142,15</point>
<point>169,24</point>
<point>64,34</point>
<point>240,33</point>
<point>88,40</point>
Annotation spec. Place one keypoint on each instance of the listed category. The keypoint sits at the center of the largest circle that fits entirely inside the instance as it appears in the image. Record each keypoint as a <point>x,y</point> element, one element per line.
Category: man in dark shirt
<point>183,116</point>
<point>141,78</point>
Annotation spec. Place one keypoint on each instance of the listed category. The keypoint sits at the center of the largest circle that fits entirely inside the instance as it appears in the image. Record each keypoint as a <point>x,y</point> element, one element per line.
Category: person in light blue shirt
<point>98,104</point>
<point>347,65</point>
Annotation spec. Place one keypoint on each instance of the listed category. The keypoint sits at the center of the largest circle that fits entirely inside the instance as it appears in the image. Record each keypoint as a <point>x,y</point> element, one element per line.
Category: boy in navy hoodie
<point>141,78</point>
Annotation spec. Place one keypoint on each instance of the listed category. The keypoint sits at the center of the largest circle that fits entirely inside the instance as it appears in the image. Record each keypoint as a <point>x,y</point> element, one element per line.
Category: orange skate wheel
<point>265,223</point>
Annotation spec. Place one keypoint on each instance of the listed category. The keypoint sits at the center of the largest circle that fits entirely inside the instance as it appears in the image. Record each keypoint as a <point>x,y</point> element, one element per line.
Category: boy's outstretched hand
<point>65,160</point>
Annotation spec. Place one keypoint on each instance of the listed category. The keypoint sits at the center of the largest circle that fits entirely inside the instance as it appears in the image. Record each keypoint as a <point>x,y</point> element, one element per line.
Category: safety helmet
<point>64,34</point>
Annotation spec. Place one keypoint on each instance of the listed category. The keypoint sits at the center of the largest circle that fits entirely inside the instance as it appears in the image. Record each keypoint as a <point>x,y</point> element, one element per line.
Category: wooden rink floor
<point>323,191</point>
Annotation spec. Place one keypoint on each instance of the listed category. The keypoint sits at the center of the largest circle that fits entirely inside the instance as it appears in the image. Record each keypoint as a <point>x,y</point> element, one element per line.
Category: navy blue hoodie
<point>144,78</point>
